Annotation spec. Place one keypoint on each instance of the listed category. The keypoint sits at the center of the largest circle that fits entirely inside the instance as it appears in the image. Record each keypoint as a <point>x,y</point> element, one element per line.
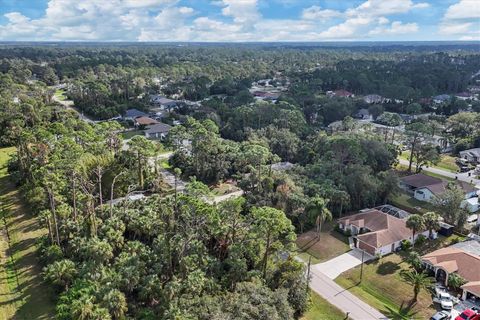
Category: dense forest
<point>174,254</point>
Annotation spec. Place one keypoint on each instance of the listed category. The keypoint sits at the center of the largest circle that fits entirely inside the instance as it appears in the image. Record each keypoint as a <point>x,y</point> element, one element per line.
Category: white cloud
<point>455,28</point>
<point>383,20</point>
<point>317,13</point>
<point>231,20</point>
<point>242,11</point>
<point>462,20</point>
<point>396,27</point>
<point>465,9</point>
<point>385,7</point>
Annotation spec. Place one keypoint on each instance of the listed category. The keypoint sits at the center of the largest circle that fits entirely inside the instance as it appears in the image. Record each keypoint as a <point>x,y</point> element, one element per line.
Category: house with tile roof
<point>427,188</point>
<point>157,131</point>
<point>443,262</point>
<point>376,232</point>
<point>144,121</point>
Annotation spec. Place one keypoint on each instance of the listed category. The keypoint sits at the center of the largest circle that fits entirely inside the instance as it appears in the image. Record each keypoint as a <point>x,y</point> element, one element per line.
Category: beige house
<point>446,261</point>
<point>377,232</point>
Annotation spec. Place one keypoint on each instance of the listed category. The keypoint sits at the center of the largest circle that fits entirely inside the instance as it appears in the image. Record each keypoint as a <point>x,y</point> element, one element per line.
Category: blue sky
<point>239,20</point>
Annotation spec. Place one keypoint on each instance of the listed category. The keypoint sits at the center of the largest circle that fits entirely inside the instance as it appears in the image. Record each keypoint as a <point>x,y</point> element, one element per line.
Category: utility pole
<point>361,266</point>
<point>308,271</point>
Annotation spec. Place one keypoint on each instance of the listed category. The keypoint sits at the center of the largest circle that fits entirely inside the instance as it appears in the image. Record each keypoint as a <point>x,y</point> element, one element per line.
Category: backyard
<point>23,294</point>
<point>406,202</point>
<point>330,244</point>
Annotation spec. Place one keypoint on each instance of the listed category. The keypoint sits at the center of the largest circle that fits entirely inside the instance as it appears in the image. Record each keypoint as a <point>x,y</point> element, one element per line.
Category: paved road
<point>460,176</point>
<point>342,298</point>
<point>70,105</point>
<point>334,267</point>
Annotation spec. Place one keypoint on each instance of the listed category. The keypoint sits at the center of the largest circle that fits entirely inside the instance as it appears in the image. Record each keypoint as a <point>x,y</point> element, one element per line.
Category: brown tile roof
<point>473,287</point>
<point>384,228</point>
<point>342,93</point>
<point>145,121</point>
<point>467,264</point>
<point>420,180</point>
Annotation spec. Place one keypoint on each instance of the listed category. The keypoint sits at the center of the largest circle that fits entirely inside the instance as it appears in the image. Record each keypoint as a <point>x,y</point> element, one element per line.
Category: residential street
<point>70,105</point>
<point>342,298</point>
<point>460,176</point>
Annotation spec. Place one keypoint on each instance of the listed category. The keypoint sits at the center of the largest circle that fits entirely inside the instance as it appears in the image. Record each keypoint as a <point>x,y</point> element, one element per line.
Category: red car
<point>468,314</point>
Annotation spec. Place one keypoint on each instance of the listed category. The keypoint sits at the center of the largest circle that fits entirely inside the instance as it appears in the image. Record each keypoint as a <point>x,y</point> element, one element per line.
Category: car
<point>441,315</point>
<point>443,298</point>
<point>464,169</point>
<point>446,301</point>
<point>467,314</point>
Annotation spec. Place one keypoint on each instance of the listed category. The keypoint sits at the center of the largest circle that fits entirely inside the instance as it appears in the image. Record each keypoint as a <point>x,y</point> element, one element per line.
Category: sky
<point>239,20</point>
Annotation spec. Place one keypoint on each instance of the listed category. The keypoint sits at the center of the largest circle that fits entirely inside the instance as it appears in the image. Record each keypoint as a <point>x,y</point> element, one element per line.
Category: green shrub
<point>406,245</point>
<point>421,239</point>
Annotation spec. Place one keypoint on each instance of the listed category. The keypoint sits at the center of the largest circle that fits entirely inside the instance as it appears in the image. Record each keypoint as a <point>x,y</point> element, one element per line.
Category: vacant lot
<point>23,295</point>
<point>330,244</point>
<point>383,288</point>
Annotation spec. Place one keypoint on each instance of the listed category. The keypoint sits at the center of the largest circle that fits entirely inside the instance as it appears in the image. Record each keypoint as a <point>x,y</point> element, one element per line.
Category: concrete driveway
<point>334,267</point>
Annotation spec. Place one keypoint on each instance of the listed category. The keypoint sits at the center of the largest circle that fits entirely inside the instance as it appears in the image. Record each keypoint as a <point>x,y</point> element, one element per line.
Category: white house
<point>471,155</point>
<point>426,188</point>
<point>157,131</point>
<point>373,98</point>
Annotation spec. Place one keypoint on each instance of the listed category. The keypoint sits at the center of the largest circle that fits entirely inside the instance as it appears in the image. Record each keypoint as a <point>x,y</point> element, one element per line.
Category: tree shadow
<point>404,312</point>
<point>387,267</point>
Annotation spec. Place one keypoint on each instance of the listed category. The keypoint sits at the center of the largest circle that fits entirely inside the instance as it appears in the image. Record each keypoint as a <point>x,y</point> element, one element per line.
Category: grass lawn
<point>330,244</point>
<point>60,95</point>
<point>321,309</point>
<point>383,288</point>
<point>404,168</point>
<point>23,294</point>
<point>447,162</point>
<point>405,201</point>
<point>130,134</point>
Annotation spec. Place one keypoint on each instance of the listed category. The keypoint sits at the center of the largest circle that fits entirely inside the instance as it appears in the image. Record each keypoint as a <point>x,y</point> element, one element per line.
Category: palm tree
<point>414,260</point>
<point>416,223</point>
<point>318,209</point>
<point>431,220</point>
<point>116,303</point>
<point>83,308</point>
<point>419,281</point>
<point>61,272</point>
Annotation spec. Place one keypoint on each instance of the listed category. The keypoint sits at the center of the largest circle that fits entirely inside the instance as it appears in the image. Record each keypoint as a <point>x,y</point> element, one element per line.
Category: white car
<point>441,315</point>
<point>445,300</point>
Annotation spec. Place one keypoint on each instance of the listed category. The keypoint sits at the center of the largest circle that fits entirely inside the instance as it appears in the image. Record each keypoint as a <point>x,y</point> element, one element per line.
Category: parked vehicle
<point>441,315</point>
<point>467,314</point>
<point>444,299</point>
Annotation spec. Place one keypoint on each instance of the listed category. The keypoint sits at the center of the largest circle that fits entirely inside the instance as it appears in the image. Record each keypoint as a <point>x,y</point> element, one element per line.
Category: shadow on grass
<point>404,312</point>
<point>387,267</point>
